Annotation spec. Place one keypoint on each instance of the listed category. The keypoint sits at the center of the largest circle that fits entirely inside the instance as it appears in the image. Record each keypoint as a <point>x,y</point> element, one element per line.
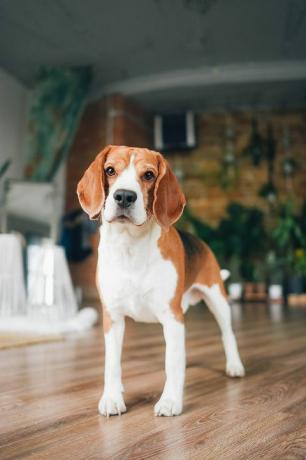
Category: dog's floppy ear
<point>169,200</point>
<point>90,189</point>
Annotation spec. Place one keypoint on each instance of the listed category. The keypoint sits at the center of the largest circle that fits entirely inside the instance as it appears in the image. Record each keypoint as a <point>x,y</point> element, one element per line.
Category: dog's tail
<point>225,274</point>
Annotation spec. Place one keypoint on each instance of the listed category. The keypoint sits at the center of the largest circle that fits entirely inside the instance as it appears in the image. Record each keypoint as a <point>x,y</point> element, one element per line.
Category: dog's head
<point>131,185</point>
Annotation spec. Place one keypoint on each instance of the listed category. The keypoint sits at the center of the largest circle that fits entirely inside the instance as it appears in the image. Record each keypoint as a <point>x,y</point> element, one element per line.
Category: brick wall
<point>129,123</point>
<point>201,168</point>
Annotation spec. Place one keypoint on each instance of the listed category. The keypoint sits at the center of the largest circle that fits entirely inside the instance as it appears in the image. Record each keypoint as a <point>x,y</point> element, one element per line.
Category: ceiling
<point>168,55</point>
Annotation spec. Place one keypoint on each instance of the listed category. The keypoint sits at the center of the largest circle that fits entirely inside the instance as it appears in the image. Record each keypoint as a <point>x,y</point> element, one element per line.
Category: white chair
<point>31,207</point>
<point>50,291</point>
<point>12,286</point>
<point>50,307</point>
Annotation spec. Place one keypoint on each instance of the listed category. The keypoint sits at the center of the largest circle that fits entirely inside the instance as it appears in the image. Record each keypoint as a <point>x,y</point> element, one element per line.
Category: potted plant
<point>290,244</point>
<point>297,281</point>
<point>275,277</point>
<point>235,285</point>
<point>244,235</point>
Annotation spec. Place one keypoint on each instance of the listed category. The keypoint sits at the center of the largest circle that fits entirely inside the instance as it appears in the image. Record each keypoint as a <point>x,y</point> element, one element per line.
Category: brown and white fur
<point>147,270</point>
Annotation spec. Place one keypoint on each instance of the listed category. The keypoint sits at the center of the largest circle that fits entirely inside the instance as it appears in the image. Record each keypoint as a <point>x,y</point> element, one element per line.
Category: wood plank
<point>49,394</point>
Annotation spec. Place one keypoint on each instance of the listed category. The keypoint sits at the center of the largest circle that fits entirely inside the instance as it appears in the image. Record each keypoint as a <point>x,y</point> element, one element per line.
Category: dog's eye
<point>110,171</point>
<point>148,175</point>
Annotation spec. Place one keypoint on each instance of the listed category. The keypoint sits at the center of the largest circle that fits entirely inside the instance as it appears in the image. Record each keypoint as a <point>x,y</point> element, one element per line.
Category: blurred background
<point>218,86</point>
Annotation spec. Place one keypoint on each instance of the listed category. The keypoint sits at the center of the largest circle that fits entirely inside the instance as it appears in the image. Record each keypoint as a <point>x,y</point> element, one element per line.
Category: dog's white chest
<point>135,280</point>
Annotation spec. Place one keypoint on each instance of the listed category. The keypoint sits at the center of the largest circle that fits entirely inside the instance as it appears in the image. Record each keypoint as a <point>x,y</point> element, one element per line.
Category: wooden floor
<point>49,394</point>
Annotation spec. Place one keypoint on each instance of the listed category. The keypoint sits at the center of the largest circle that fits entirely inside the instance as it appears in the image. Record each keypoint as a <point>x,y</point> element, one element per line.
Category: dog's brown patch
<point>201,265</point>
<point>171,248</point>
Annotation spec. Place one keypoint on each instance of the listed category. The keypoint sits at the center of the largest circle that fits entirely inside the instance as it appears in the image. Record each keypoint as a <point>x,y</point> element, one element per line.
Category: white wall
<point>14,100</point>
<point>13,106</point>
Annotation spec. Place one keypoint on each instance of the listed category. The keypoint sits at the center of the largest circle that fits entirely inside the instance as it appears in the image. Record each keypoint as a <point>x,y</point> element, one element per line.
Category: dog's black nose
<point>124,198</point>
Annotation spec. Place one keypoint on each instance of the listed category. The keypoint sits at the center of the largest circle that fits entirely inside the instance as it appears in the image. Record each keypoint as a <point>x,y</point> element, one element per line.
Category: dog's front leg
<point>112,402</point>
<point>171,400</point>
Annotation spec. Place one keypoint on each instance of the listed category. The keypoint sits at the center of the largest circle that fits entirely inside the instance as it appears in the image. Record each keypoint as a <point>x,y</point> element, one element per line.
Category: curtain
<point>55,109</point>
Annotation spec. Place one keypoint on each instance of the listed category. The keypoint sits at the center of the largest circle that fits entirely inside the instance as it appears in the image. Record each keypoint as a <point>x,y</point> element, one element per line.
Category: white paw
<point>235,369</point>
<point>168,407</point>
<point>112,405</point>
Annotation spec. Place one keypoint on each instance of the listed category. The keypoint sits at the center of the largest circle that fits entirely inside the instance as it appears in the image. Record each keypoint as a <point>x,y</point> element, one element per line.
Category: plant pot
<point>297,300</point>
<point>295,284</point>
<point>235,291</point>
<point>255,292</point>
<point>275,292</point>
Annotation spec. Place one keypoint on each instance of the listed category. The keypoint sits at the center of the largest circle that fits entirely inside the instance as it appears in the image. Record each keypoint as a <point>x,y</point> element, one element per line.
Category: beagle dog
<point>148,270</point>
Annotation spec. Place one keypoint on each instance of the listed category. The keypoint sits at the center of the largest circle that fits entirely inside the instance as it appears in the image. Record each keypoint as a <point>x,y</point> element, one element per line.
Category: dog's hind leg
<point>220,308</point>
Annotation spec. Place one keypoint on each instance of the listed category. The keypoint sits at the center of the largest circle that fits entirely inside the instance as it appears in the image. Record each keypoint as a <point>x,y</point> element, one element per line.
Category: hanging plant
<point>269,192</point>
<point>229,166</point>
<point>289,166</point>
<point>229,174</point>
<point>270,150</point>
<point>255,148</point>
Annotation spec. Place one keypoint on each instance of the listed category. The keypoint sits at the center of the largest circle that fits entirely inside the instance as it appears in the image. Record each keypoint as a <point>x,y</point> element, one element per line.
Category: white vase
<point>235,291</point>
<point>275,291</point>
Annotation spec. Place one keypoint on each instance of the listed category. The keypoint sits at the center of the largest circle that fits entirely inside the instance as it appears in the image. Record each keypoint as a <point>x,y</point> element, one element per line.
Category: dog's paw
<point>112,405</point>
<point>235,369</point>
<point>168,407</point>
